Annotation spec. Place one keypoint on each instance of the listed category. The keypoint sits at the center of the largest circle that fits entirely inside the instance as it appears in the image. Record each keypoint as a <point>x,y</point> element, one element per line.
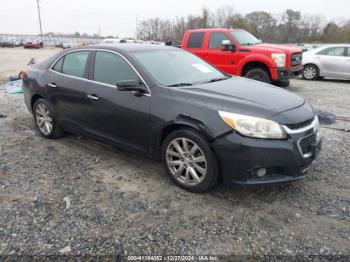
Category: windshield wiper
<point>180,84</point>
<point>247,44</point>
<point>218,79</point>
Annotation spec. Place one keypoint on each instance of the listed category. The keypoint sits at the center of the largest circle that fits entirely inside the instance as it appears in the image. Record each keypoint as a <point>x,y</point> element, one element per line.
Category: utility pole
<point>137,24</point>
<point>41,29</point>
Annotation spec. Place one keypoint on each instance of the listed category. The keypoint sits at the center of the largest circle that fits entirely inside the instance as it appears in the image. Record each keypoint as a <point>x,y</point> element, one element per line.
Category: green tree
<point>331,33</point>
<point>291,20</point>
<point>238,21</point>
<point>262,25</point>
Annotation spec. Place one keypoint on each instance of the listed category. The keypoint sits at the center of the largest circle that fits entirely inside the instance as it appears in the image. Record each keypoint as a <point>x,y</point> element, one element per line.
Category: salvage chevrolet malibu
<point>166,103</point>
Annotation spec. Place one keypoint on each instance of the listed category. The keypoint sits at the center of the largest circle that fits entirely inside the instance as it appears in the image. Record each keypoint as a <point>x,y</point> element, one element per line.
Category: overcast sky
<point>118,17</point>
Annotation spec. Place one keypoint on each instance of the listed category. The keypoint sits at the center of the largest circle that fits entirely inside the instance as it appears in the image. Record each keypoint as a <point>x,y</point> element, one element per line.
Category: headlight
<point>253,126</point>
<point>317,125</point>
<point>280,59</point>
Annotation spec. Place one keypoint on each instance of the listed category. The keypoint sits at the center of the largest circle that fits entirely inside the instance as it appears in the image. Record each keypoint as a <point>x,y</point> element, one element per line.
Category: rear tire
<point>45,120</point>
<point>258,74</point>
<point>310,72</point>
<point>189,161</point>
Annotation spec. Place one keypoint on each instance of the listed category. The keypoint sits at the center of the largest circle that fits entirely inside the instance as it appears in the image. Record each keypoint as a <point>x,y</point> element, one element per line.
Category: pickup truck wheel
<point>258,74</point>
<point>310,72</point>
<point>282,83</point>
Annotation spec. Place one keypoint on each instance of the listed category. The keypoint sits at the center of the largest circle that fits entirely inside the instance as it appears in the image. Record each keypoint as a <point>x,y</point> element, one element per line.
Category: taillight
<point>23,75</point>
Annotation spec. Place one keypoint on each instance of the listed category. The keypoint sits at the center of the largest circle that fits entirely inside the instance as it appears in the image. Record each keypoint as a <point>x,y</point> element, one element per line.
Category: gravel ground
<point>78,196</point>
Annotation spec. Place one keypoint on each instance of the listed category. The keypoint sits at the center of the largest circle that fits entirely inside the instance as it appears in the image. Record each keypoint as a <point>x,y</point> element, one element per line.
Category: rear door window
<point>196,40</point>
<point>216,39</point>
<point>58,66</point>
<point>74,63</point>
<point>333,51</point>
<point>111,68</point>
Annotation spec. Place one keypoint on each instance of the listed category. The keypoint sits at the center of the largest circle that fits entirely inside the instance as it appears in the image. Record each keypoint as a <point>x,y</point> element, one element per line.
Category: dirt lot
<point>13,60</point>
<point>121,203</point>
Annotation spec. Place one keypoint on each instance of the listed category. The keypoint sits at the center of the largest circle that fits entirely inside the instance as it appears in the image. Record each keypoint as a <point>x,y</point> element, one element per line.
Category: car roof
<point>129,47</point>
<point>334,45</point>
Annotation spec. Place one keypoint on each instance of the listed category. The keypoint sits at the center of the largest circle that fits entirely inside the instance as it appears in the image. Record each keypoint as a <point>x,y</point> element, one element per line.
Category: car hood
<point>274,48</point>
<point>242,96</point>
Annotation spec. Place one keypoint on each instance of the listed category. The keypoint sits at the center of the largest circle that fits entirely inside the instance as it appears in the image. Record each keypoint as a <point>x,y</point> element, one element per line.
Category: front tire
<point>311,72</point>
<point>258,74</point>
<point>189,160</point>
<point>282,83</point>
<point>45,120</point>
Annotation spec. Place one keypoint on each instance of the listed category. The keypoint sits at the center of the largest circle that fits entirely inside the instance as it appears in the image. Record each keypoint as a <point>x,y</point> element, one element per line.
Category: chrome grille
<point>300,125</point>
<point>296,59</point>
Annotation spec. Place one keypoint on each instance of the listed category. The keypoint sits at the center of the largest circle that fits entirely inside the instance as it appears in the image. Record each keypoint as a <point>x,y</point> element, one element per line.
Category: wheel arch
<point>255,64</point>
<point>315,65</point>
<point>181,122</point>
<point>168,129</point>
<point>34,99</point>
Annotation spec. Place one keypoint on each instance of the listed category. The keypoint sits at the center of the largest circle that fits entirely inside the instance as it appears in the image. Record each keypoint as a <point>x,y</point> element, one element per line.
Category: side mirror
<point>228,46</point>
<point>131,86</point>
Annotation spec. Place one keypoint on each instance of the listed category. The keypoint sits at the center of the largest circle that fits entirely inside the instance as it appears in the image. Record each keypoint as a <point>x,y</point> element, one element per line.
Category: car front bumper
<point>240,158</point>
<point>284,74</point>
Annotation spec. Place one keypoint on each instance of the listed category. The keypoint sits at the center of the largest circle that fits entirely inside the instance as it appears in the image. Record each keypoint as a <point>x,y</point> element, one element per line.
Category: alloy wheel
<point>186,161</point>
<point>310,72</point>
<point>43,119</point>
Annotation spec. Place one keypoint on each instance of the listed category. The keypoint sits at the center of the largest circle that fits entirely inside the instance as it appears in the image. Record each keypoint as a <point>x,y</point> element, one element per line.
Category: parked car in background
<point>168,104</point>
<point>238,52</point>
<point>19,43</point>
<point>32,44</point>
<point>307,47</point>
<point>59,45</point>
<point>173,43</point>
<point>7,43</point>
<point>67,45</point>
<point>111,41</point>
<point>327,61</point>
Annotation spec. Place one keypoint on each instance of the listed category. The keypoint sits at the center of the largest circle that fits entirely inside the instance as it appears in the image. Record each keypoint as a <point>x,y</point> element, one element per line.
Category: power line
<point>41,29</point>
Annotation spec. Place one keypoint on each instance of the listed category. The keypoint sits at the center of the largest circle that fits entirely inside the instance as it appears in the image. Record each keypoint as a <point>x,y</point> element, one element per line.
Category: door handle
<point>53,85</point>
<point>92,97</point>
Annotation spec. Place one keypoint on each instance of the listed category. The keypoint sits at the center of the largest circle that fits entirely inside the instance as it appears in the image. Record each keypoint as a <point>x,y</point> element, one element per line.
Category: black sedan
<point>168,104</point>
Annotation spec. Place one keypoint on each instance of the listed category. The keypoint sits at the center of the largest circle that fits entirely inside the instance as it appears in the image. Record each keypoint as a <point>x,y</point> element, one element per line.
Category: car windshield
<point>245,38</point>
<point>177,68</point>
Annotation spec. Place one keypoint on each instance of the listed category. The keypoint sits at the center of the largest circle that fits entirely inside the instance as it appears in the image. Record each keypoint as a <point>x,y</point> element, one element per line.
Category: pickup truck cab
<point>237,52</point>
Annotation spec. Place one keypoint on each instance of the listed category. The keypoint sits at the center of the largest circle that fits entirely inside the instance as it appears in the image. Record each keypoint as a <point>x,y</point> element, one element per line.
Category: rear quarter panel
<point>36,82</point>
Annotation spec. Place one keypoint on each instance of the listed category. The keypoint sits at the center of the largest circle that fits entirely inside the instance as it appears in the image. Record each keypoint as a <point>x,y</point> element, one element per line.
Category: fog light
<point>261,172</point>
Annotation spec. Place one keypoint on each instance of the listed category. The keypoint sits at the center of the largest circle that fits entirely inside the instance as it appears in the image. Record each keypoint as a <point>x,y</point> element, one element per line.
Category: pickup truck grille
<point>296,59</point>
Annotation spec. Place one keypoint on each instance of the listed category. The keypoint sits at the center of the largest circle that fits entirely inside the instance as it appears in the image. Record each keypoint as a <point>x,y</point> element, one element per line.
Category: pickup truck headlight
<point>280,59</point>
<point>253,126</point>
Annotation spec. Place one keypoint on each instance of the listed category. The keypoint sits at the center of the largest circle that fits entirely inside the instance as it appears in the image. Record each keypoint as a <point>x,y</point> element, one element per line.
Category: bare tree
<point>288,27</point>
<point>222,15</point>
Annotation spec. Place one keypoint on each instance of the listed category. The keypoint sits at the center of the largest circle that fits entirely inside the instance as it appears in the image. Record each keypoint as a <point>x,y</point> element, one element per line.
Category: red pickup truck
<point>238,52</point>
